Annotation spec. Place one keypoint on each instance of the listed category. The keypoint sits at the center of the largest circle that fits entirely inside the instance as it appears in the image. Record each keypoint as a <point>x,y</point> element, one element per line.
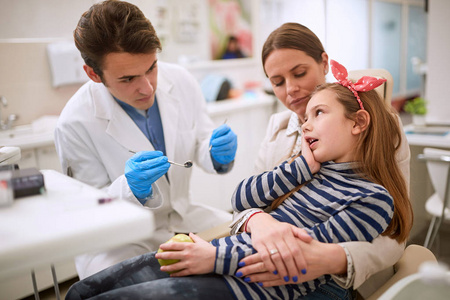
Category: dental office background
<point>406,37</point>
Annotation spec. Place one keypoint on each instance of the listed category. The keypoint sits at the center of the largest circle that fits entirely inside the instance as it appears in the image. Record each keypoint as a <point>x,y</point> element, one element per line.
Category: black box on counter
<point>27,182</point>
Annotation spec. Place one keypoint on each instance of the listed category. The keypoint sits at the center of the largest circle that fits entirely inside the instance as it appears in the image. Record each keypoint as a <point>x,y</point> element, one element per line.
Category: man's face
<point>131,78</point>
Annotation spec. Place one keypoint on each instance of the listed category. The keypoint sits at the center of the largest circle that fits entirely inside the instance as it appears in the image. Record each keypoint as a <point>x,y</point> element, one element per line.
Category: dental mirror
<point>187,164</point>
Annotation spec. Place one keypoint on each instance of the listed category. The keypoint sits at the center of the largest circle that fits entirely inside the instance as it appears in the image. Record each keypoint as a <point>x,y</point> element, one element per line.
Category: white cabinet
<point>43,157</point>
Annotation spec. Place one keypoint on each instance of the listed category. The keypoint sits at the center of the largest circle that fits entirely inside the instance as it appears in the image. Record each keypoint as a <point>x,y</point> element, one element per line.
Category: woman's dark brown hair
<point>113,26</point>
<point>293,36</point>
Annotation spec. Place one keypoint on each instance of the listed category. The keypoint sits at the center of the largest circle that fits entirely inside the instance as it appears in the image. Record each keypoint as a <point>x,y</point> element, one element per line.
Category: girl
<point>344,165</point>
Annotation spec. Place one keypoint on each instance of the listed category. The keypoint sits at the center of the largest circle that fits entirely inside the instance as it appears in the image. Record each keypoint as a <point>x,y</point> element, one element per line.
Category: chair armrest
<point>219,231</point>
<point>408,264</point>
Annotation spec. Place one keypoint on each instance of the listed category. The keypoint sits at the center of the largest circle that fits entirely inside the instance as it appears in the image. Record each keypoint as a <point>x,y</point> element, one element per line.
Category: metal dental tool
<point>187,164</point>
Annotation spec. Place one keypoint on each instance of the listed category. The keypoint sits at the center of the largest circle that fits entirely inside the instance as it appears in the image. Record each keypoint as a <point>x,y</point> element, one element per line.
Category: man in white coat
<point>121,111</point>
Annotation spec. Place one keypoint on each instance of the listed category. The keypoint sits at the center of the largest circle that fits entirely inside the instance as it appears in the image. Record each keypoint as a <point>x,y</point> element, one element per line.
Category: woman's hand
<point>321,258</point>
<point>269,235</point>
<point>195,258</point>
<point>313,164</point>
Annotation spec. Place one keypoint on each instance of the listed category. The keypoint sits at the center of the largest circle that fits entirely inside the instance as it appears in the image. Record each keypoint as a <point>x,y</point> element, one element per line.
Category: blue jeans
<point>330,291</point>
<point>140,278</point>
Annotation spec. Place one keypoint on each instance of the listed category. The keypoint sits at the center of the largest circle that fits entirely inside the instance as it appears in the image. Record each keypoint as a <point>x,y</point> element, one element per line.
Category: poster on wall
<point>230,29</point>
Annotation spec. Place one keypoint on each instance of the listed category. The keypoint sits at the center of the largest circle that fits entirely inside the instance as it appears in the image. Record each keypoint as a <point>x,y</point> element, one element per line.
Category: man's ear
<point>91,74</point>
<point>362,121</point>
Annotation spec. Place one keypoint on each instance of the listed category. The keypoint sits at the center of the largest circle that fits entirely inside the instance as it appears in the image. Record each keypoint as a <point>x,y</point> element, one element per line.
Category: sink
<point>38,133</point>
<point>16,131</point>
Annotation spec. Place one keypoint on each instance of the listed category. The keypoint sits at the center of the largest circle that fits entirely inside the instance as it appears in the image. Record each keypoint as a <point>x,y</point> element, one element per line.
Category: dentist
<point>121,110</point>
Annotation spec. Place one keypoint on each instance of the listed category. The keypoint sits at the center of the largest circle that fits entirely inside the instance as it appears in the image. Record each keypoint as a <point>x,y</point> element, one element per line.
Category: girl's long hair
<point>376,150</point>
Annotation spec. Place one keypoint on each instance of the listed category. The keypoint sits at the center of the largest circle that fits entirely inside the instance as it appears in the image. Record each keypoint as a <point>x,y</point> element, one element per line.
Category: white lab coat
<point>94,135</point>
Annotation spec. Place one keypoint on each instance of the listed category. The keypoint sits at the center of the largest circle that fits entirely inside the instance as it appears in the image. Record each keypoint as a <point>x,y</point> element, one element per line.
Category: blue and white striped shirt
<point>335,205</point>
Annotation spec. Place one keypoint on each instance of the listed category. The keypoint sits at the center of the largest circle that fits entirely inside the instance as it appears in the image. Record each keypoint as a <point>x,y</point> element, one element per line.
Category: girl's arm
<point>362,220</point>
<point>261,190</point>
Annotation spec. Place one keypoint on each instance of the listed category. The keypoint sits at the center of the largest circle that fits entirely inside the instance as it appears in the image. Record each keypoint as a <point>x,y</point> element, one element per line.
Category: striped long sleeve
<point>260,191</point>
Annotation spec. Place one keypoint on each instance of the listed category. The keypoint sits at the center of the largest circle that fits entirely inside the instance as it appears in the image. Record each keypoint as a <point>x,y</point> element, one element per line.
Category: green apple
<point>176,238</point>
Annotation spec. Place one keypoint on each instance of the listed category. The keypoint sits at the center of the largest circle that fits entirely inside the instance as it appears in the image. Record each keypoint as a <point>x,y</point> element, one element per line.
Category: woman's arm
<point>350,263</point>
<point>370,258</point>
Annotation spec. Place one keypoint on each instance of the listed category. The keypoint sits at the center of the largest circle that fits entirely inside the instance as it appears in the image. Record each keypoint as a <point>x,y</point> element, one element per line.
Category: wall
<point>27,26</point>
<point>437,90</point>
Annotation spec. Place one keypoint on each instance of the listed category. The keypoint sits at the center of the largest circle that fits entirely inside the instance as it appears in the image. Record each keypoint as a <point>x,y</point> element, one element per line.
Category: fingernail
<point>239,274</point>
<point>304,271</point>
<point>294,279</point>
<point>260,283</point>
<point>247,279</point>
<point>275,272</point>
<point>286,278</point>
<point>241,264</point>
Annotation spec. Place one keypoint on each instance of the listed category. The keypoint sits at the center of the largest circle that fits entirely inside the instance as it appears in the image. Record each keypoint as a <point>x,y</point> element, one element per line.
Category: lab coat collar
<point>169,110</point>
<point>120,126</point>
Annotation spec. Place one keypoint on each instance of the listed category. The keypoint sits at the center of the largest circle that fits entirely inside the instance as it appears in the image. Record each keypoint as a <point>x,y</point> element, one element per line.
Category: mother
<point>295,62</point>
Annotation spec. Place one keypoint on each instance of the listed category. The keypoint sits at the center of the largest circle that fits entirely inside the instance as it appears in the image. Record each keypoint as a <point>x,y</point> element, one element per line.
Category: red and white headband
<point>364,84</point>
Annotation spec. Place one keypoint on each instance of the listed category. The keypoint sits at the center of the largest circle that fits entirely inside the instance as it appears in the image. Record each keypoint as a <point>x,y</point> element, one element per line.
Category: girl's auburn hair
<point>376,150</point>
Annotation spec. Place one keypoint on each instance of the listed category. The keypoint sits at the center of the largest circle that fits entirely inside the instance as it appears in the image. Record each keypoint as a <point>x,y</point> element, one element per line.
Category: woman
<point>295,62</point>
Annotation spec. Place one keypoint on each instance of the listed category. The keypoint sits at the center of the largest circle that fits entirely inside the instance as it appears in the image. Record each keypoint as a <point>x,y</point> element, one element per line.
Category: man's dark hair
<point>113,27</point>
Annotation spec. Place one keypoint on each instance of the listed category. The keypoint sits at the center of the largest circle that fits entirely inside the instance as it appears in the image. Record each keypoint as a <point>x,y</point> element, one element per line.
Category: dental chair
<point>413,256</point>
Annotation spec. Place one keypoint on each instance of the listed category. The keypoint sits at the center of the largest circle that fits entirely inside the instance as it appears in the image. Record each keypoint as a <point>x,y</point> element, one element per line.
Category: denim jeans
<point>330,291</point>
<point>141,278</point>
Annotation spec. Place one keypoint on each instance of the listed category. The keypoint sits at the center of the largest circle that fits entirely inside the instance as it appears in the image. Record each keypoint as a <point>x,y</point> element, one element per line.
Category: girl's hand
<point>270,235</point>
<point>313,164</point>
<point>195,258</point>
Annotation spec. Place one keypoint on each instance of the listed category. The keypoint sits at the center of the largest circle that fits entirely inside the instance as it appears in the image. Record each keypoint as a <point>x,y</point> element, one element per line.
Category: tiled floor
<point>441,246</point>
<point>49,294</point>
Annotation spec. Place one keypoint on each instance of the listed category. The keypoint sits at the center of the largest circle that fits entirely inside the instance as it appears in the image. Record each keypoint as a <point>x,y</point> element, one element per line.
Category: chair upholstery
<point>408,264</point>
<point>438,205</point>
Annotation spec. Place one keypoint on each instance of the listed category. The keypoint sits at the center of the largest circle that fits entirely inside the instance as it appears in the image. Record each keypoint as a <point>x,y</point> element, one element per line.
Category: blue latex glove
<point>143,169</point>
<point>224,144</point>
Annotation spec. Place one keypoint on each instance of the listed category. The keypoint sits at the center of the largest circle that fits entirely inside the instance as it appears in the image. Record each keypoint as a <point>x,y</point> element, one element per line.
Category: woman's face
<point>294,75</point>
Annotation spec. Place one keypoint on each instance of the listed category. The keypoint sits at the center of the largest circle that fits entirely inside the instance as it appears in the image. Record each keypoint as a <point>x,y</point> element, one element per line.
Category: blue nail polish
<point>275,272</point>
<point>247,279</point>
<point>286,278</point>
<point>239,274</point>
<point>260,283</point>
<point>304,271</point>
<point>241,264</point>
<point>294,279</point>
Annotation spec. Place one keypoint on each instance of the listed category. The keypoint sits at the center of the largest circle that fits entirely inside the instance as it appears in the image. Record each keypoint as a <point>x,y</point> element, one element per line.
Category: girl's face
<point>331,136</point>
<point>294,75</point>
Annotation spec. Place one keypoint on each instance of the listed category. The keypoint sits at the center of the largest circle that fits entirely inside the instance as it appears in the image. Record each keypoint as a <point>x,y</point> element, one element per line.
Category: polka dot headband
<point>366,83</point>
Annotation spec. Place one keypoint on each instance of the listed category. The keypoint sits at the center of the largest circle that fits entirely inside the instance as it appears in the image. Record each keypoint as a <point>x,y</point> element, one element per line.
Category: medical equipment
<point>187,164</point>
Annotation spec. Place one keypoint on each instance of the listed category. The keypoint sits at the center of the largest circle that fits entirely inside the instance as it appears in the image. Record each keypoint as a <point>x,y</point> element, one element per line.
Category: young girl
<point>351,190</point>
